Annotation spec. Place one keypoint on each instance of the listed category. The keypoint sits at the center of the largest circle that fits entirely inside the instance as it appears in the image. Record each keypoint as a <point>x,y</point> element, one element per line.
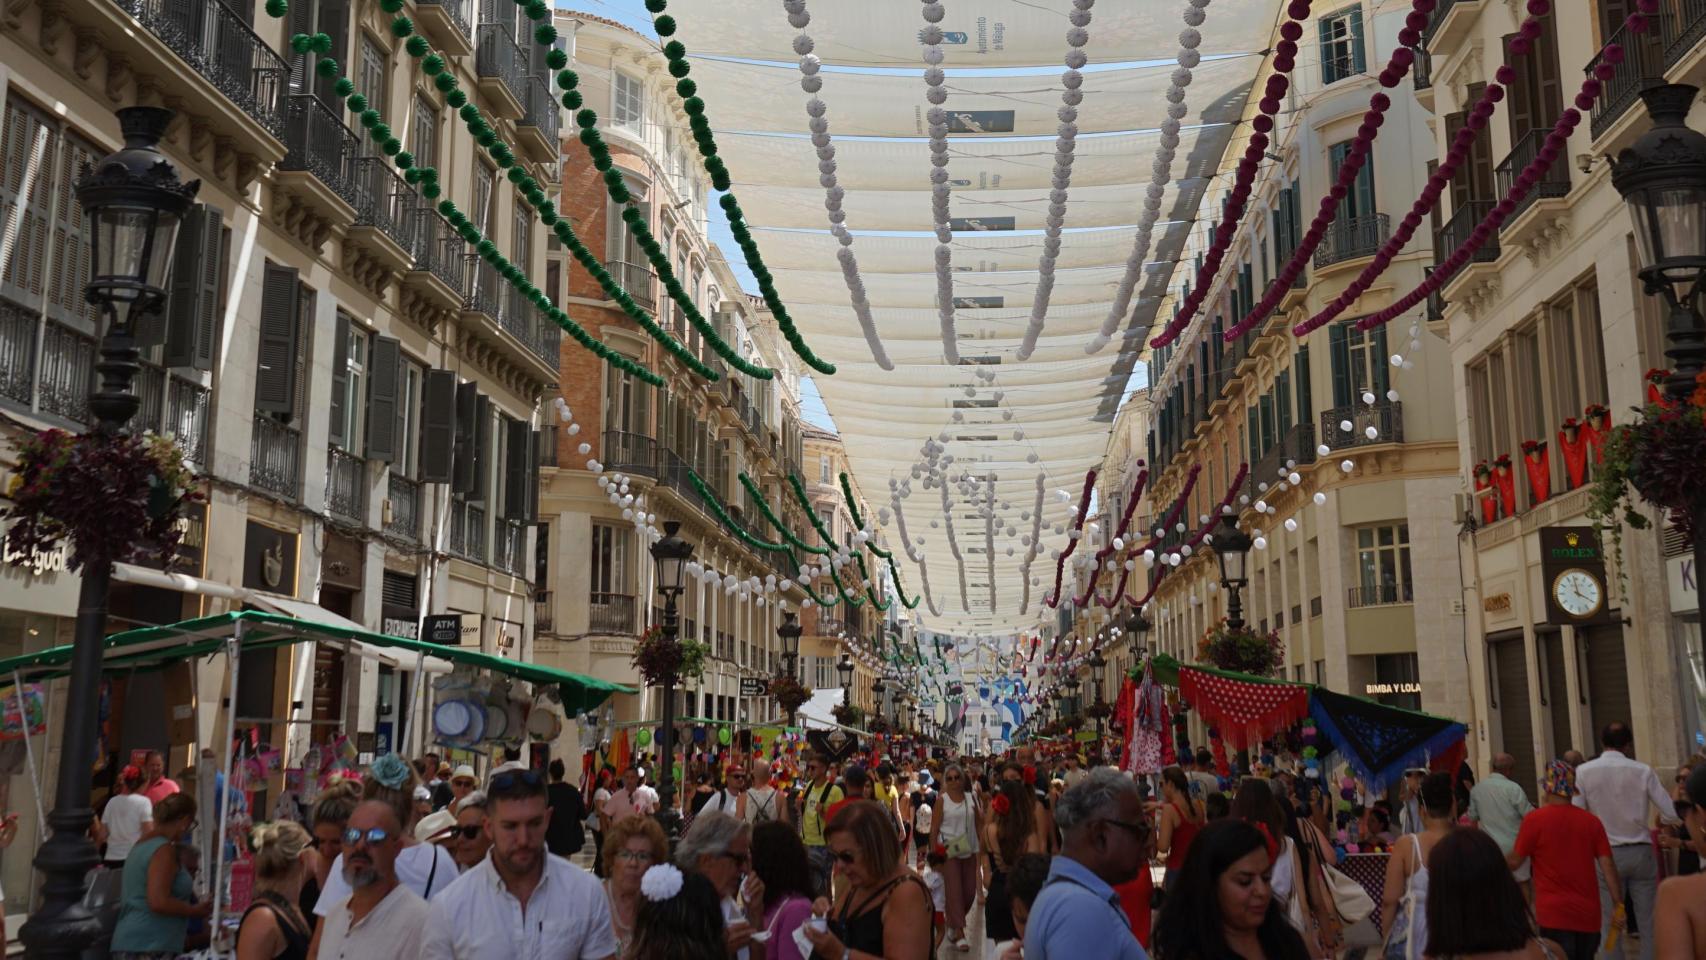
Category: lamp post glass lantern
<point>132,202</point>
<point>1232,551</point>
<point>669,555</point>
<point>789,634</point>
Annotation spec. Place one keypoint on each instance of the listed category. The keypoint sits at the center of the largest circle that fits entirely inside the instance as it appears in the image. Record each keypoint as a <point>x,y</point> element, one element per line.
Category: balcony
<point>636,278</point>
<point>630,453</point>
<point>610,613</point>
<point>66,373</point>
<point>501,66</point>
<point>346,486</point>
<point>1436,303</point>
<point>1643,66</point>
<point>447,24</point>
<point>275,457</point>
<point>318,169</point>
<point>511,553</point>
<point>468,531</point>
<point>1450,23</point>
<point>1455,233</point>
<point>1352,238</point>
<point>187,406</point>
<point>1552,184</point>
<point>1385,416</point>
<point>672,470</point>
<point>1422,69</point>
<point>438,252</point>
<point>549,437</point>
<point>1381,595</point>
<point>537,130</point>
<point>1297,447</point>
<point>386,213</point>
<point>1682,29</point>
<point>404,518</point>
<point>497,313</point>
<point>216,43</point>
<point>544,613</point>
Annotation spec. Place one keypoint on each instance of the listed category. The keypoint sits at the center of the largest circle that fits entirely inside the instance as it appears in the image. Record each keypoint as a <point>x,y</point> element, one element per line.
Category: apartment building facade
<point>355,391</point>
<point>860,630</point>
<point>1362,587</point>
<point>1548,320</point>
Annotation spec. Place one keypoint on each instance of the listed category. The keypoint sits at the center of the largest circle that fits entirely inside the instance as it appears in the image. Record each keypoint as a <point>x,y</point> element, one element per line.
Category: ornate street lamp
<point>670,556</point>
<point>1662,179</point>
<point>132,204</point>
<point>1232,549</point>
<point>844,669</point>
<point>1138,626</point>
<point>789,633</point>
<point>1098,676</point>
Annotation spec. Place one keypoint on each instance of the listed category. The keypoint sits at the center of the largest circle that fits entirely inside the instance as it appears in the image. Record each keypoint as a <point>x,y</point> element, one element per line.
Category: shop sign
<point>1377,689</point>
<point>1572,571</point>
<point>269,559</point>
<point>1683,583</point>
<point>444,628</point>
<point>753,687</point>
<point>508,638</point>
<point>32,564</point>
<point>397,623</point>
<point>342,561</point>
<point>1497,603</point>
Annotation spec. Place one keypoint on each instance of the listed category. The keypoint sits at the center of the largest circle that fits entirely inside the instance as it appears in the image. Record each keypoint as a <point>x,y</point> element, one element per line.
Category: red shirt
<point>1134,898</point>
<point>1563,842</point>
<point>160,789</point>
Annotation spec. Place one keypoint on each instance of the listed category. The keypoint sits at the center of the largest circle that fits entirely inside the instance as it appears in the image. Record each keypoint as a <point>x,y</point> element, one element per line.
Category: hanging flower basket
<point>116,499</point>
<point>1242,650</point>
<point>1098,711</point>
<point>849,714</point>
<point>877,723</point>
<point>659,659</point>
<point>789,693</point>
<point>1657,458</point>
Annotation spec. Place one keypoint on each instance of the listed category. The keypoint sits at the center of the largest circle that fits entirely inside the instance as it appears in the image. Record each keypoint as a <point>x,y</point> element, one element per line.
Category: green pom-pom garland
<point>417,46</point>
<point>402,27</point>
<point>302,43</point>
<point>675,50</point>
<point>685,88</point>
<point>276,9</point>
<point>655,7</point>
<point>679,69</point>
<point>433,65</point>
<point>326,67</point>
<point>344,87</point>
<point>456,98</point>
<point>556,59</point>
<point>664,25</point>
<point>322,43</point>
<point>445,82</point>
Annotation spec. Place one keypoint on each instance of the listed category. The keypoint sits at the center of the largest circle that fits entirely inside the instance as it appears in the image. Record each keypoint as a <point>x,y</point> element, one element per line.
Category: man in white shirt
<point>732,798</point>
<point>520,903</point>
<point>1622,792</point>
<point>381,918</point>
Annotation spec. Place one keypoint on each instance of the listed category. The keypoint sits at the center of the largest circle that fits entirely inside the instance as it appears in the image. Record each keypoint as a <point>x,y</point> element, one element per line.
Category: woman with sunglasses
<point>883,910</point>
<point>632,846</point>
<point>720,847</point>
<point>466,839</point>
<point>957,825</point>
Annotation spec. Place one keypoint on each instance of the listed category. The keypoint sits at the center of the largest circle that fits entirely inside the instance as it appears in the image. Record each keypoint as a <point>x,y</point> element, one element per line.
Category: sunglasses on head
<point>509,778</point>
<point>374,837</point>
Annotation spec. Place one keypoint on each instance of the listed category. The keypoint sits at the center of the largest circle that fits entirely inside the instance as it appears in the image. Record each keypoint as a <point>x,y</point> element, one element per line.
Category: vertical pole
<point>667,814</point>
<point>233,653</point>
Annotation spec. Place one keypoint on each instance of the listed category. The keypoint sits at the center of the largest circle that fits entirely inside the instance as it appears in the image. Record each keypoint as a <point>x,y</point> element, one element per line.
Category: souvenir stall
<point>481,701</point>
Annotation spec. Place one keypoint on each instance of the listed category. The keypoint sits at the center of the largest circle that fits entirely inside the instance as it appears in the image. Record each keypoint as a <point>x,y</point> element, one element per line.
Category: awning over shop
<point>153,647</point>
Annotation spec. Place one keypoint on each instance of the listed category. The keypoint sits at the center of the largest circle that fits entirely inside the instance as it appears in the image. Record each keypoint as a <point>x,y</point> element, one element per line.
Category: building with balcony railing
<point>1548,319</point>
<point>1363,418</point>
<point>320,369</point>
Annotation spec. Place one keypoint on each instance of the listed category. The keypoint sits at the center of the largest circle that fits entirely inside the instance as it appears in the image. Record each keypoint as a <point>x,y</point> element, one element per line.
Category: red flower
<point>1657,376</point>
<point>1000,805</point>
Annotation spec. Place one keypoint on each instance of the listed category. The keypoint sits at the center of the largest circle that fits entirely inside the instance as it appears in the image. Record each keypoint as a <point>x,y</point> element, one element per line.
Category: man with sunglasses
<point>1078,914</point>
<point>732,798</point>
<point>819,795</point>
<point>521,902</point>
<point>381,918</point>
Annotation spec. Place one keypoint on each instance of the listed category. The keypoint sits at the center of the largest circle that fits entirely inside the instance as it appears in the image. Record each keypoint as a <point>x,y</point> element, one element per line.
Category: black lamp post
<point>1232,549</point>
<point>844,670</point>
<point>670,556</point>
<point>1662,179</point>
<point>1138,626</point>
<point>789,632</point>
<point>132,204</point>
<point>877,689</point>
<point>1098,675</point>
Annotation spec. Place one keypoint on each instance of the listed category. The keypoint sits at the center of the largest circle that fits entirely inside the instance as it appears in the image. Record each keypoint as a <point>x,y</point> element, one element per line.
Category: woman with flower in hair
<point>425,868</point>
<point>680,917</point>
<point>1012,830</point>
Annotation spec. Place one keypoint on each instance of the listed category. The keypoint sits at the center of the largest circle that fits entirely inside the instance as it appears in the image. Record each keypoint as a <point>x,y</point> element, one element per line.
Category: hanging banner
<point>33,715</point>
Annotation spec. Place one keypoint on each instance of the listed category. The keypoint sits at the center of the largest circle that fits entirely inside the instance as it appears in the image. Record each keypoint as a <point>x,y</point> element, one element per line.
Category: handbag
<point>1349,898</point>
<point>960,847</point>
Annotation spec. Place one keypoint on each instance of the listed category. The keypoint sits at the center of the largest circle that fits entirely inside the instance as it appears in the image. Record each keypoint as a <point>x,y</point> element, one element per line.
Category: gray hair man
<point>720,847</point>
<point>1078,914</point>
<point>381,917</point>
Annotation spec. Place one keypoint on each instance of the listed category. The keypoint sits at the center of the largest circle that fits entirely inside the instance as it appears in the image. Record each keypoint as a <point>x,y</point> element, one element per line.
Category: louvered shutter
<point>519,459</point>
<point>27,197</point>
<point>338,435</point>
<point>1340,352</point>
<point>382,399</point>
<point>462,457</point>
<point>1382,364</point>
<point>301,21</point>
<point>1359,59</point>
<point>1282,403</point>
<point>72,253</point>
<point>438,426</point>
<point>275,368</point>
<point>334,21</point>
<point>1305,393</point>
<point>198,268</point>
<point>482,454</point>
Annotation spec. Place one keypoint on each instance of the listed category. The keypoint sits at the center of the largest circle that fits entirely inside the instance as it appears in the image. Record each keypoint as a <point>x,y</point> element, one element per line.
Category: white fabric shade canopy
<point>1040,259</point>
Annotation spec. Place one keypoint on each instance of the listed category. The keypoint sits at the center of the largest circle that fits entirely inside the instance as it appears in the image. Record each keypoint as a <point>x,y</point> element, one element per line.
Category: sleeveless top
<point>955,820</point>
<point>139,929</point>
<point>1410,929</point>
<point>1183,834</point>
<point>295,939</point>
<point>863,931</point>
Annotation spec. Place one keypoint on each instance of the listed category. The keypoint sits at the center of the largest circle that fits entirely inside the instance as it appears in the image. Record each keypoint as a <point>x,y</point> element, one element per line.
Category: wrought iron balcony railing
<point>1349,238</point>
<point>1553,182</point>
<point>275,457</point>
<point>511,553</point>
<point>1379,595</point>
<point>499,57</point>
<point>438,249</point>
<point>539,109</point>
<point>346,485</point>
<point>1385,416</point>
<point>630,453</point>
<point>224,50</point>
<point>318,142</point>
<point>610,613</point>
<point>636,278</point>
<point>405,497</point>
<point>385,202</point>
<point>1458,228</point>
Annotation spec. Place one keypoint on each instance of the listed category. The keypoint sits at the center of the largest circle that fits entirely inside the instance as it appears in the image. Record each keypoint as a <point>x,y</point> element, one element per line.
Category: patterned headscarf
<point>1560,779</point>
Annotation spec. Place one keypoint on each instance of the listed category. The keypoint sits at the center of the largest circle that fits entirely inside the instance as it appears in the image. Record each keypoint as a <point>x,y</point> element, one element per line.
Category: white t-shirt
<point>567,918</point>
<point>938,885</point>
<point>123,818</point>
<point>414,870</point>
<point>923,820</point>
<point>392,928</point>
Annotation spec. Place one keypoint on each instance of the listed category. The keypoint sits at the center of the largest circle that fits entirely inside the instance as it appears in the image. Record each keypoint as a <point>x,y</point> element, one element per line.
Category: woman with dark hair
<point>1475,909</point>
<point>779,860</point>
<point>1223,907</point>
<point>1011,831</point>
<point>1181,817</point>
<point>1405,911</point>
<point>680,917</point>
<point>882,909</point>
<point>1297,881</point>
<point>1314,819</point>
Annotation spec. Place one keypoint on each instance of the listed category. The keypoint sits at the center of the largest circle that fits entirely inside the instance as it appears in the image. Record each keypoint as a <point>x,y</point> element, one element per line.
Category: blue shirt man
<point>1077,915</point>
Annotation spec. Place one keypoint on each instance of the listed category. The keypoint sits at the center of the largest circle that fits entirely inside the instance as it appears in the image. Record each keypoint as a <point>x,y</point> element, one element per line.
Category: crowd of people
<point>878,859</point>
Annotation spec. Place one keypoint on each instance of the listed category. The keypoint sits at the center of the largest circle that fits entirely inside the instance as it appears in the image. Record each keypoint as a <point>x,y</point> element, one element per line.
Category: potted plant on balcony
<point>849,714</point>
<point>1657,457</point>
<point>117,499</point>
<point>1241,649</point>
<point>659,658</point>
<point>789,693</point>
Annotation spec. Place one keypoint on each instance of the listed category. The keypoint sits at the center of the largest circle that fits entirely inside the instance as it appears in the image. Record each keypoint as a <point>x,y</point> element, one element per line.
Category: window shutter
<point>462,456</point>
<point>192,314</point>
<point>1266,404</point>
<point>340,383</point>
<point>1340,350</point>
<point>439,426</point>
<point>382,399</point>
<point>1522,94</point>
<point>1282,401</point>
<point>518,469</point>
<point>275,373</point>
<point>1382,364</point>
<point>1359,60</point>
<point>1362,192</point>
<point>1305,394</point>
<point>301,21</point>
<point>1255,436</point>
<point>481,461</point>
<point>334,21</point>
<point>1324,29</point>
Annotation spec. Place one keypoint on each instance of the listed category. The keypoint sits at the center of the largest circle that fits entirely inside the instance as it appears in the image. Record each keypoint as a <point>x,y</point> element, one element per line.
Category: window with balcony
<point>331,17</point>
<point>423,140</point>
<point>371,75</point>
<point>1383,565</point>
<point>611,604</point>
<point>1359,363</point>
<point>349,384</point>
<point>1342,54</point>
<point>627,99</point>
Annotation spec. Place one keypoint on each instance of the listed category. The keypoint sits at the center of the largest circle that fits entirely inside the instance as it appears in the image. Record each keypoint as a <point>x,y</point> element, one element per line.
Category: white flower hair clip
<point>661,882</point>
